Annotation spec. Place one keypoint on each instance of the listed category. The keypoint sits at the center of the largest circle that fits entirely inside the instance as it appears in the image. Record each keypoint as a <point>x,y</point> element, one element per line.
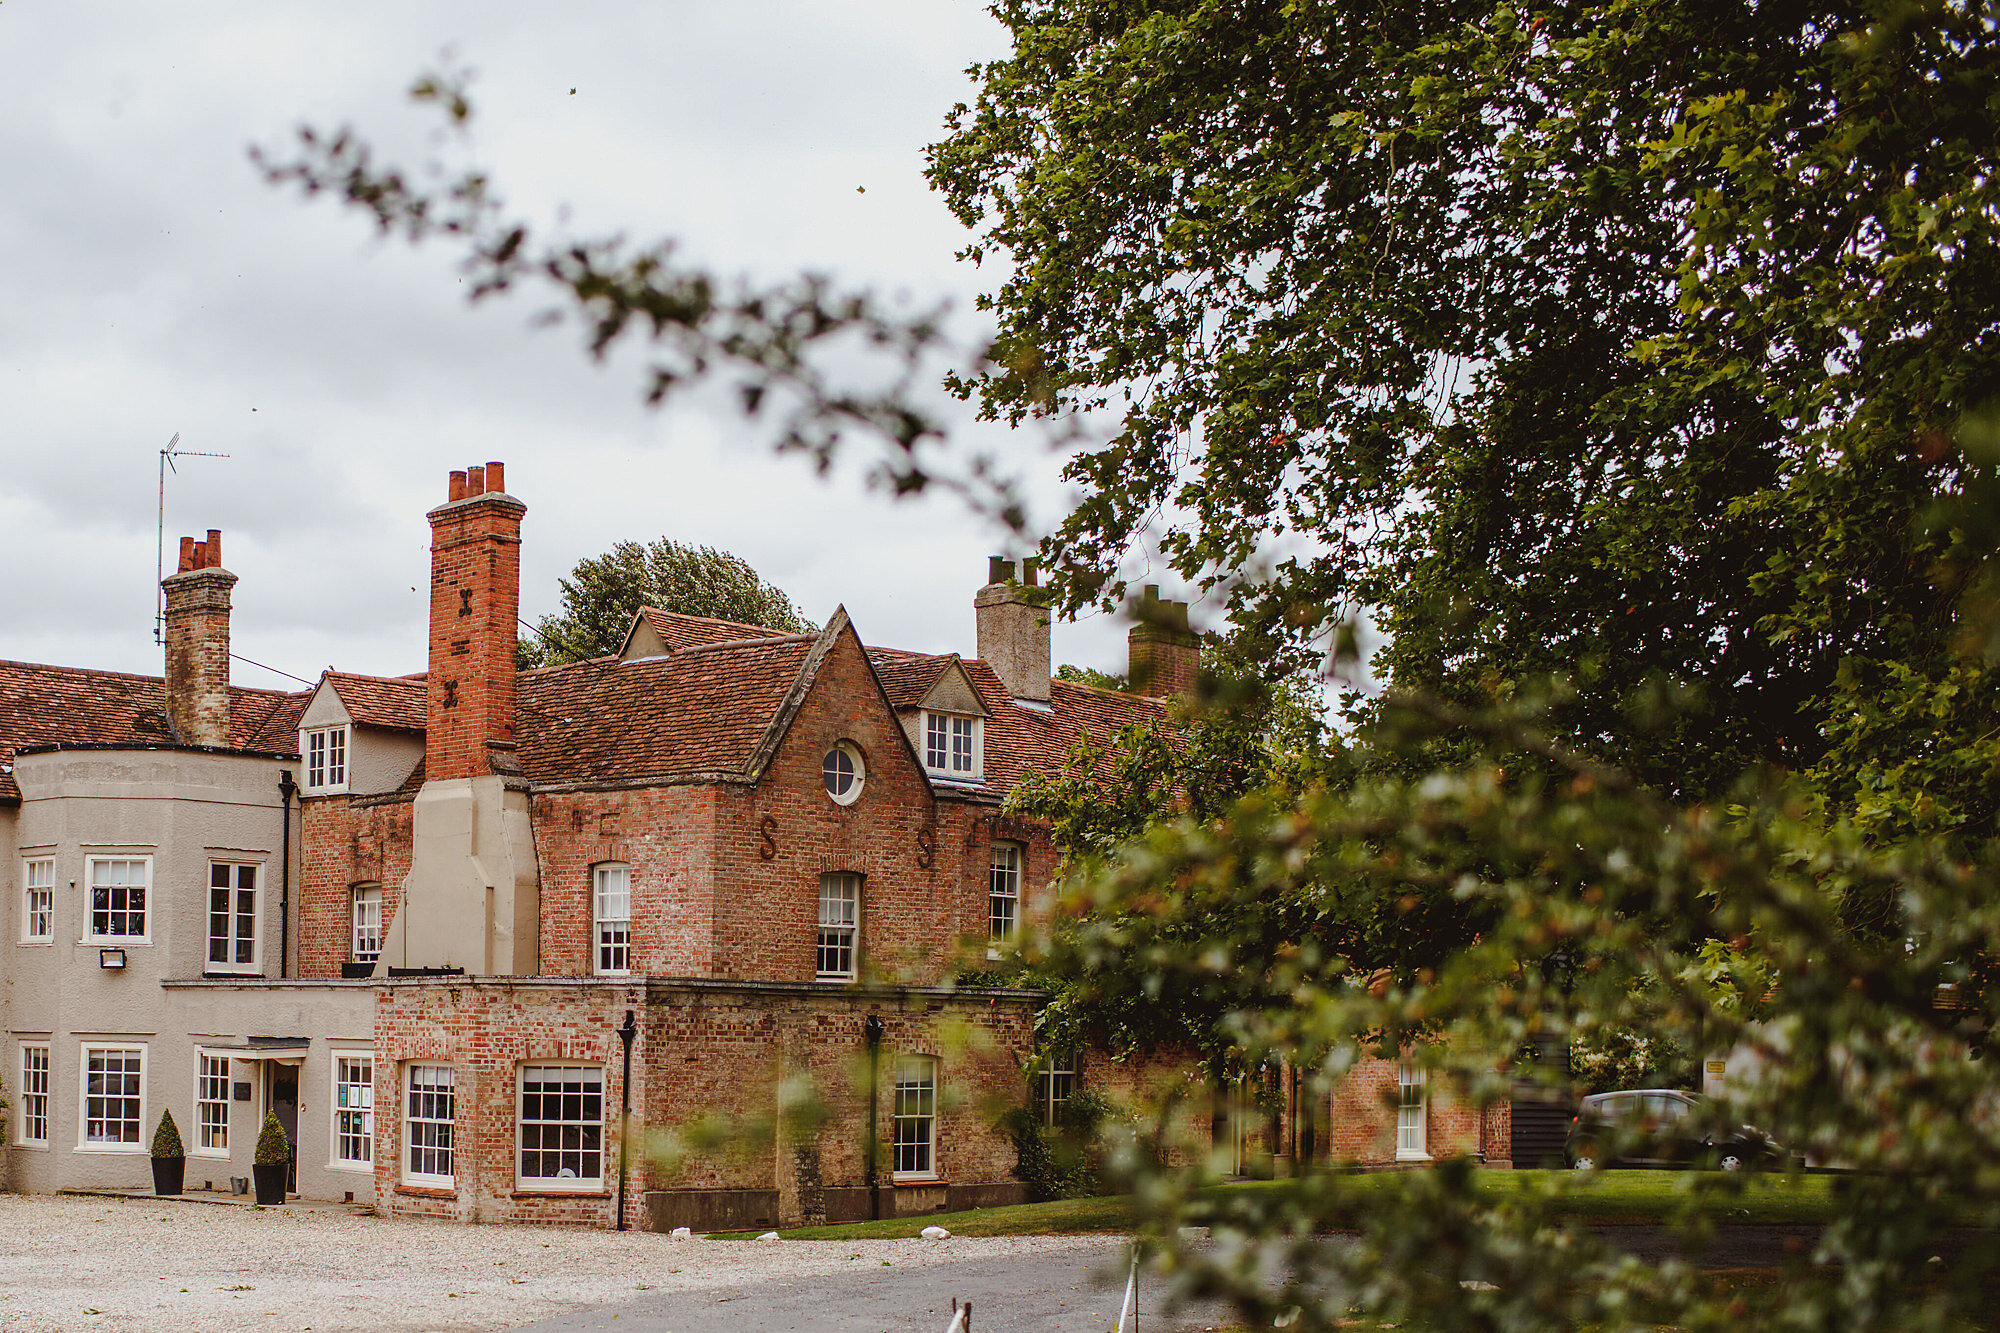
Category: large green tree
<point>604,592</point>
<point>1610,340</point>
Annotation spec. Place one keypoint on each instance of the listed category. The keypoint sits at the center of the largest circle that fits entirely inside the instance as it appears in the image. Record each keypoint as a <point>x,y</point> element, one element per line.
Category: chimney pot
<point>187,554</point>
<point>214,545</point>
<point>496,476</point>
<point>457,491</point>
<point>1031,569</point>
<point>999,569</point>
<point>475,481</point>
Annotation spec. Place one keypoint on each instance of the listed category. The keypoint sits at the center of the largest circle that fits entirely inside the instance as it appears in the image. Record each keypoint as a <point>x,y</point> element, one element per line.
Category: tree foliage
<point>1618,341</point>
<point>604,592</point>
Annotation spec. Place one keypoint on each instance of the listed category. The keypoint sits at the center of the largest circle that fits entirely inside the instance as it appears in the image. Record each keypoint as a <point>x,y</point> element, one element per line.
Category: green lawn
<point>1611,1197</point>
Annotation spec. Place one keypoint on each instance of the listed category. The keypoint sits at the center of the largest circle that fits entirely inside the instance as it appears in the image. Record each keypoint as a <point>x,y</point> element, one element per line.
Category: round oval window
<point>843,773</point>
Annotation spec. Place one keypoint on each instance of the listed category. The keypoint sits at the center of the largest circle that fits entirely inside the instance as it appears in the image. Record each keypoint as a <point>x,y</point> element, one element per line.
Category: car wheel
<point>1587,1157</point>
<point>1730,1161</point>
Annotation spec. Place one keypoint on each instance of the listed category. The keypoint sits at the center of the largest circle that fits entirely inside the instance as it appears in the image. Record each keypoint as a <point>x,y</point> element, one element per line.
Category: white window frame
<point>611,919</point>
<point>353,1098</point>
<point>360,933</point>
<point>84,1143</point>
<point>1003,893</point>
<point>209,1067</point>
<point>580,1137</point>
<point>839,935</point>
<point>913,1124</point>
<point>38,881</point>
<point>34,1093</point>
<point>954,746</point>
<point>843,764</point>
<point>1055,1086</point>
<point>440,1137</point>
<point>232,940</point>
<point>329,757</point>
<point>1412,1112</point>
<point>145,912</point>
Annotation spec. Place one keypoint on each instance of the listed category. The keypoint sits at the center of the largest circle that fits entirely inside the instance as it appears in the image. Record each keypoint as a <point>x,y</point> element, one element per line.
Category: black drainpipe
<point>626,1032</point>
<point>286,790</point>
<point>873,1030</point>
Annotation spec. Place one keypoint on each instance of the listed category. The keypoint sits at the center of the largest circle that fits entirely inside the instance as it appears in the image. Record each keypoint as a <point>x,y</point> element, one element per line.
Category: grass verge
<point>1607,1198</point>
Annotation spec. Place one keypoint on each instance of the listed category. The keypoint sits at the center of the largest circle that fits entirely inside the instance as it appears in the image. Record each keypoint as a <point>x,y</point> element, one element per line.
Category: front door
<point>285,1105</point>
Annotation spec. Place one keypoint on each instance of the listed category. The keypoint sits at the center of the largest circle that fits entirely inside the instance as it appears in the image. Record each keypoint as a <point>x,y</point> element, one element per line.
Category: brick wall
<point>713,1050</point>
<point>344,843</point>
<point>475,608</point>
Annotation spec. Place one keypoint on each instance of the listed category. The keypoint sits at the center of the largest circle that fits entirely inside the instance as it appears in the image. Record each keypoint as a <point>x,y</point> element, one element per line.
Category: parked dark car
<point>1661,1127</point>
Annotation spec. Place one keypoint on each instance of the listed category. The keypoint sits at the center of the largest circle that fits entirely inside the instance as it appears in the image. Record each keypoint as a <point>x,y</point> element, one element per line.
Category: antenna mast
<point>167,457</point>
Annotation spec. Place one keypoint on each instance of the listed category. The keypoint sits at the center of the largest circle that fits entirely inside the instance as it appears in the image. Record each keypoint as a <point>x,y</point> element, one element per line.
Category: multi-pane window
<point>34,1094</point>
<point>354,1110</point>
<point>1003,894</point>
<point>365,911</point>
<point>562,1126</point>
<point>113,1095</point>
<point>211,1103</point>
<point>1057,1082</point>
<point>951,744</point>
<point>326,759</point>
<point>839,923</point>
<point>38,900</point>
<point>428,1119</point>
<point>118,897</point>
<point>232,916</point>
<point>612,913</point>
<point>916,1117</point>
<point>1410,1111</point>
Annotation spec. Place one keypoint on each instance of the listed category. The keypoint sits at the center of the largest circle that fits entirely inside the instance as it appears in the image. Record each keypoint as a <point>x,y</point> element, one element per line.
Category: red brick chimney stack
<point>475,605</point>
<point>1163,654</point>
<point>198,643</point>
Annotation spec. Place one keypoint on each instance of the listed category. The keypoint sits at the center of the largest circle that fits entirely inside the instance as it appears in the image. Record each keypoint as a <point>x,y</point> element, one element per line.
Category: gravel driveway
<point>142,1264</point>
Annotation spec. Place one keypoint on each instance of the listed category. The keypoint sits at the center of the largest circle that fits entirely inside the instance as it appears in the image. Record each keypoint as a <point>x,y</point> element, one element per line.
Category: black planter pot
<point>270,1181</point>
<point>168,1172</point>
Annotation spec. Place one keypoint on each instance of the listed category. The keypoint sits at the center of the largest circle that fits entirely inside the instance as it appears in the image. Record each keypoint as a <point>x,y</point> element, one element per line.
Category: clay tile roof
<point>395,703</point>
<point>703,710</point>
<point>51,705</point>
<point>681,632</point>
<point>906,677</point>
<point>1020,740</point>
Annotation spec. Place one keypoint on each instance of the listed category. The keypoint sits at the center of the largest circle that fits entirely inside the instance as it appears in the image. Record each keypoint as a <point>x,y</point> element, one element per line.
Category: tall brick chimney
<point>475,605</point>
<point>1013,630</point>
<point>1163,655</point>
<point>198,643</point>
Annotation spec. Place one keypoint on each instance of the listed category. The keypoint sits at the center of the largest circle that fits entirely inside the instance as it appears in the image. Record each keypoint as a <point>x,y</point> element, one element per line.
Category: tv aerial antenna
<point>167,457</point>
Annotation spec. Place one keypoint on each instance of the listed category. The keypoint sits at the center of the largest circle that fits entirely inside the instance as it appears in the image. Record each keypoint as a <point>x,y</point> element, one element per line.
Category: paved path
<point>1048,1293</point>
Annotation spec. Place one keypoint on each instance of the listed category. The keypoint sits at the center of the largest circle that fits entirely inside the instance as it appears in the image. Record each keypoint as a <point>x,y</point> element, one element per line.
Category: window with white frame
<point>843,772</point>
<point>114,1096</point>
<point>211,1104</point>
<point>1412,1105</point>
<point>561,1124</point>
<point>839,925</point>
<point>118,897</point>
<point>611,895</point>
<point>232,916</point>
<point>916,1118</point>
<point>353,1109</point>
<point>38,900</point>
<point>34,1122</point>
<point>951,745</point>
<point>427,1122</point>
<point>365,916</point>
<point>1003,893</point>
<point>1057,1082</point>
<point>326,759</point>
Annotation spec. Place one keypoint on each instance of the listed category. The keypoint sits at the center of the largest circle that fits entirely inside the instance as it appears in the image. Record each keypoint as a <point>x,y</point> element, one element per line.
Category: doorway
<point>283,1100</point>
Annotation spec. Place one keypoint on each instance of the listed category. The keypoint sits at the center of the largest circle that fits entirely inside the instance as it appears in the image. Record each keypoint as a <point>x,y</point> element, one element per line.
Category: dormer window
<point>951,746</point>
<point>326,760</point>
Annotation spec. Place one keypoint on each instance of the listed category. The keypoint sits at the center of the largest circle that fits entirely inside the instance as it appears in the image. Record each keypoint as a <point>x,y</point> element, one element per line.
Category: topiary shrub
<point>167,1138</point>
<point>273,1146</point>
<point>1064,1162</point>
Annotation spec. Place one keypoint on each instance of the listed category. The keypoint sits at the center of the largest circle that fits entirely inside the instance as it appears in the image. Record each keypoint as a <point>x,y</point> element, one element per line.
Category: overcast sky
<point>154,284</point>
